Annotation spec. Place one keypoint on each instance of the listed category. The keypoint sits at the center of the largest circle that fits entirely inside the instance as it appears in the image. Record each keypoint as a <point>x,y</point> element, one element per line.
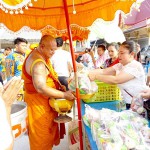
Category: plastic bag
<point>85,85</point>
<point>91,114</point>
<point>137,105</point>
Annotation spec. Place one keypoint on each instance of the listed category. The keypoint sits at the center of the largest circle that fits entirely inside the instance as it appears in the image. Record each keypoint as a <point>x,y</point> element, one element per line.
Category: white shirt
<point>60,61</point>
<point>134,86</point>
<point>88,59</point>
<point>5,128</point>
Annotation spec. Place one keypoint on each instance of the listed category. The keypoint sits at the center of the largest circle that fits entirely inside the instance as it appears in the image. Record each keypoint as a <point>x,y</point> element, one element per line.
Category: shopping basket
<point>106,92</point>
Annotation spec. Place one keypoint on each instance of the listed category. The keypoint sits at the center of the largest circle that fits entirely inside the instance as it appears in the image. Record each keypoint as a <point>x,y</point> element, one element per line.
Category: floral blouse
<point>109,63</point>
<point>14,62</point>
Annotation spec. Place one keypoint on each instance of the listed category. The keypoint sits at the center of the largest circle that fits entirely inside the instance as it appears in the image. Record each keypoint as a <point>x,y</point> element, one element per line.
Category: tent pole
<point>75,72</point>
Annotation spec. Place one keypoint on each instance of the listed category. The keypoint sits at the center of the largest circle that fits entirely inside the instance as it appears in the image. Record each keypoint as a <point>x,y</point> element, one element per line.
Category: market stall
<point>38,14</point>
<point>110,105</point>
<point>113,105</point>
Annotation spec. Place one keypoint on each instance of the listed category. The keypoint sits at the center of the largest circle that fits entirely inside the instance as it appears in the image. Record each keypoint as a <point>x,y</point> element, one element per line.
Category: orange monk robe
<point>43,131</point>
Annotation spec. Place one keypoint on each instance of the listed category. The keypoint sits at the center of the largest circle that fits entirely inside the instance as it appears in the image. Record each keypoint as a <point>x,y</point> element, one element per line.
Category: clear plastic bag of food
<point>137,105</point>
<point>85,85</point>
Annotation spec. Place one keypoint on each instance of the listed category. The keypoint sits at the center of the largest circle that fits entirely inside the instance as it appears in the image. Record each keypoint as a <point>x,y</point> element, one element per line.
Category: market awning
<point>51,12</point>
<point>137,19</point>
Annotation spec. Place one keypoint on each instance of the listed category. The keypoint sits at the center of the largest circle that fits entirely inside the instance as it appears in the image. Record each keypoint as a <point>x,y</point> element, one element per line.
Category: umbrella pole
<point>75,72</point>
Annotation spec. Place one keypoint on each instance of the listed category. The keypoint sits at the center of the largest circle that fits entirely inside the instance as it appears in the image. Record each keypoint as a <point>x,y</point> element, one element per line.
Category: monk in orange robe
<point>40,84</point>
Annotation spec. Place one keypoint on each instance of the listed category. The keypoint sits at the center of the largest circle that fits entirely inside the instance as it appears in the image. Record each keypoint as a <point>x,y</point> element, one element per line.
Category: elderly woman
<point>128,74</point>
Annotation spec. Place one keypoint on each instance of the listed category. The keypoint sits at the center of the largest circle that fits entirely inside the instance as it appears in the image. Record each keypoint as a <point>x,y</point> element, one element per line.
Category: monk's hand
<point>69,96</point>
<point>11,90</point>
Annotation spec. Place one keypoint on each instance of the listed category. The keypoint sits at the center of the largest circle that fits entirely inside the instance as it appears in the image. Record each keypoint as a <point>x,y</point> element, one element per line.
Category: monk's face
<point>49,48</point>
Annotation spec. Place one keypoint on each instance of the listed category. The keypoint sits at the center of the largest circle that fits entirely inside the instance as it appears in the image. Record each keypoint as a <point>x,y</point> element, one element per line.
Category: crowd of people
<point>46,71</point>
<point>128,73</point>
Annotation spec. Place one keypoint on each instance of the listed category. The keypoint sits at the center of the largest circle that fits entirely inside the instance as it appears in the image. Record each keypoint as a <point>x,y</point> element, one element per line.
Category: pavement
<point>22,143</point>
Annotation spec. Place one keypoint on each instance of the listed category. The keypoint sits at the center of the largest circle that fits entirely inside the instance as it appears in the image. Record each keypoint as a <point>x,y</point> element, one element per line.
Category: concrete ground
<point>23,143</point>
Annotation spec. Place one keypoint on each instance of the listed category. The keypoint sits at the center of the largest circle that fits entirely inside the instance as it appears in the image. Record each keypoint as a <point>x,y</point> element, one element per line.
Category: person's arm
<point>7,96</point>
<point>39,73</point>
<point>69,63</point>
<point>70,68</point>
<point>95,72</point>
<point>5,127</point>
<point>93,58</point>
<point>118,79</point>
<point>140,60</point>
<point>148,81</point>
<point>101,75</point>
<point>148,78</point>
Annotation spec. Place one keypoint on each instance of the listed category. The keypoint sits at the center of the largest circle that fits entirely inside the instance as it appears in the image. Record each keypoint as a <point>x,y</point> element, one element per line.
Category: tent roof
<point>139,16</point>
<point>51,12</point>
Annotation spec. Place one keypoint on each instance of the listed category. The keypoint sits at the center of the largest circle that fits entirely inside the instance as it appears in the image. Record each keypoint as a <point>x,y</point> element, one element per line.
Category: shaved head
<point>47,46</point>
<point>46,39</point>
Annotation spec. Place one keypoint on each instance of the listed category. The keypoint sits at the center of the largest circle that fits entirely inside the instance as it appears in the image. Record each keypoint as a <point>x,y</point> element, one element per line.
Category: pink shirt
<point>86,57</point>
<point>100,61</point>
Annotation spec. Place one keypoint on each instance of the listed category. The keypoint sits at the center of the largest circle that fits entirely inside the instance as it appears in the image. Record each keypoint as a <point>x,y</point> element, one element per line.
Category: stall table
<point>113,105</point>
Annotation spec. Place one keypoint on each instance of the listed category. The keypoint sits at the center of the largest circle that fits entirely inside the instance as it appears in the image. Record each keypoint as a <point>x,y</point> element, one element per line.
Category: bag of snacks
<point>137,105</point>
<point>85,85</point>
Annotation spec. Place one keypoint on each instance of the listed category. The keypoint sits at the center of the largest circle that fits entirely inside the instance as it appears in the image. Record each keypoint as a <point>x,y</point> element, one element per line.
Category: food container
<point>19,118</point>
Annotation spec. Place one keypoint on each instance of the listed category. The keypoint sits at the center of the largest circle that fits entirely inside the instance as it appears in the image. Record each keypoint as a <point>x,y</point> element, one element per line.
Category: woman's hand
<point>92,75</point>
<point>10,90</point>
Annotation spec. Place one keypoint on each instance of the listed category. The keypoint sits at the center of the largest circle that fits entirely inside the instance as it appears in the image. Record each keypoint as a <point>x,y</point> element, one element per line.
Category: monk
<point>40,84</point>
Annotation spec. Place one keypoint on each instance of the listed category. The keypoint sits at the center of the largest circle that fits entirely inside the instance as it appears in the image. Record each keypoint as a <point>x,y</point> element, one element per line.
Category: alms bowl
<point>61,105</point>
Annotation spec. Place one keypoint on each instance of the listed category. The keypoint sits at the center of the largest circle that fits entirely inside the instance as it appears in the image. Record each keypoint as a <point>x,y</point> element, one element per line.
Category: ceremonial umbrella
<point>37,14</point>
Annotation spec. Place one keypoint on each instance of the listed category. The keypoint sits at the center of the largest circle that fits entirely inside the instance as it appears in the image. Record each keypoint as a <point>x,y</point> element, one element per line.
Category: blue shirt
<point>14,62</point>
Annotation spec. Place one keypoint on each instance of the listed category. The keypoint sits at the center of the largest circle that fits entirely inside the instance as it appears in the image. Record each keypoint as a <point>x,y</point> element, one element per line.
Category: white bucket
<point>19,118</point>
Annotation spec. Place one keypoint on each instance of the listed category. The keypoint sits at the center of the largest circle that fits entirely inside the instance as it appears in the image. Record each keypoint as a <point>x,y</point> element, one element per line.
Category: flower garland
<point>78,33</point>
